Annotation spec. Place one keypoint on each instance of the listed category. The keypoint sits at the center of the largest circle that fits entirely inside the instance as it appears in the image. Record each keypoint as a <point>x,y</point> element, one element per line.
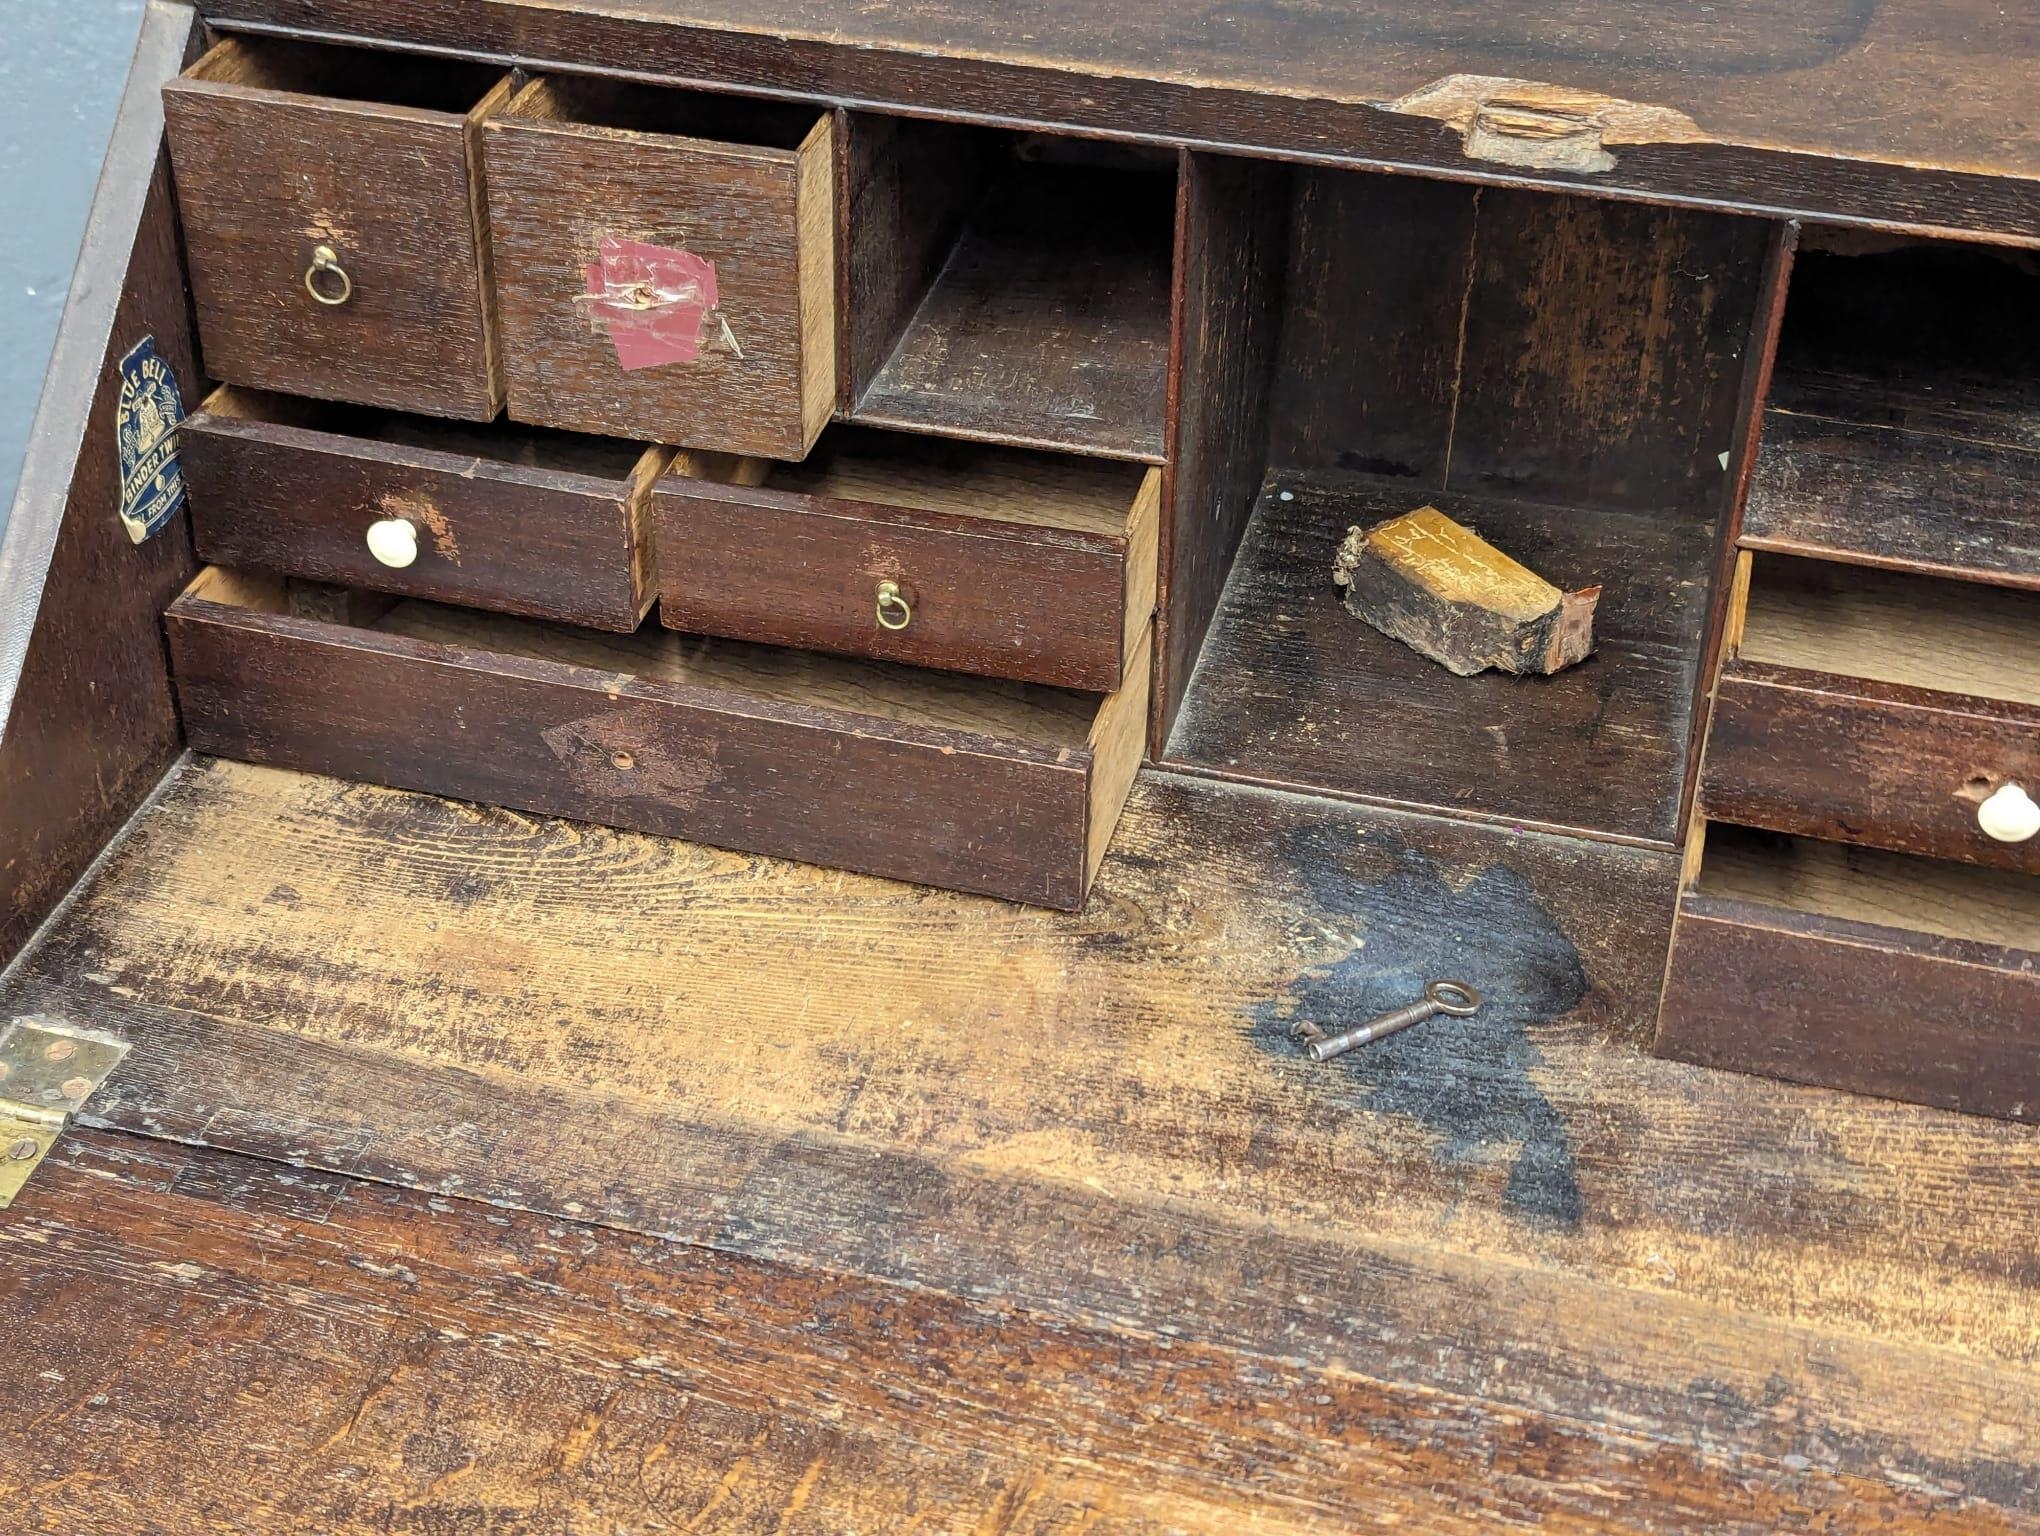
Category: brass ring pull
<point>325,261</point>
<point>893,612</point>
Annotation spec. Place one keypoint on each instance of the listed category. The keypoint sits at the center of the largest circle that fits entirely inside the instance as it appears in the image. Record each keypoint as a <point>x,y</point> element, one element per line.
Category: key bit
<point>1453,997</point>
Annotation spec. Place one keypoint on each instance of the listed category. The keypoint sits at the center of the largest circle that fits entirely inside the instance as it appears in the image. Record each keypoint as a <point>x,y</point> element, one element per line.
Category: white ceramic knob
<point>393,541</point>
<point>2009,815</point>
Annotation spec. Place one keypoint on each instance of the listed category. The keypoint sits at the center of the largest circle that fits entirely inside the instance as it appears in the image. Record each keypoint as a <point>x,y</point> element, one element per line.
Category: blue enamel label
<point>146,420</point>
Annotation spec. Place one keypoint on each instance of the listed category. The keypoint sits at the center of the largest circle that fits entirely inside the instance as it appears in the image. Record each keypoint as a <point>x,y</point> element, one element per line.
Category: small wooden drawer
<point>1858,969</point>
<point>1005,789</point>
<point>665,264</point>
<point>1879,708</point>
<point>517,519</point>
<point>952,555</point>
<point>335,232</point>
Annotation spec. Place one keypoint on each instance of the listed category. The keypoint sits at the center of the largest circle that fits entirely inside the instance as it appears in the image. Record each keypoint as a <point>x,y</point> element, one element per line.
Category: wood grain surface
<point>511,519</point>
<point>1048,325</point>
<point>1948,637</point>
<point>745,186</point>
<point>282,149</point>
<point>1293,690</point>
<point>1866,762</point>
<point>1099,1119</point>
<point>1895,112</point>
<point>1840,490</point>
<point>971,784</point>
<point>87,721</point>
<point>1231,255</point>
<point>1554,348</point>
<point>280,1350</point>
<point>1858,969</point>
<point>1011,564</point>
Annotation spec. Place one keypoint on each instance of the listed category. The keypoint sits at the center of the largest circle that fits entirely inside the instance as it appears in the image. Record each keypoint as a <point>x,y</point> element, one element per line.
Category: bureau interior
<point>1008,287</point>
<point>1566,376</point>
<point>1870,885</point>
<point>1893,627</point>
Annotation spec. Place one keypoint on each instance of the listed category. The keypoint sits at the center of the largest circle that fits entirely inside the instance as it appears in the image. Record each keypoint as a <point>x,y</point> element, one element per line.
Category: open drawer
<point>334,222</point>
<point>1881,708</point>
<point>954,555</point>
<point>665,264</point>
<point>999,788</point>
<point>1859,969</point>
<point>516,519</point>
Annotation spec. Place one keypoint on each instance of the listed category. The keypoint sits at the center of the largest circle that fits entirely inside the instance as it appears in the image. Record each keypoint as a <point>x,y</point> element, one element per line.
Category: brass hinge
<point>47,1070</point>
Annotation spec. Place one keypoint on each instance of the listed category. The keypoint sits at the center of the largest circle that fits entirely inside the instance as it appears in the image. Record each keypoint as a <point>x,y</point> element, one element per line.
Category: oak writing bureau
<point>679,756</point>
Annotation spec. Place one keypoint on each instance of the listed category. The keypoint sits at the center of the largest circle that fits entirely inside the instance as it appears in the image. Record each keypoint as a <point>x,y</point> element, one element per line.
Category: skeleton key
<point>1453,997</point>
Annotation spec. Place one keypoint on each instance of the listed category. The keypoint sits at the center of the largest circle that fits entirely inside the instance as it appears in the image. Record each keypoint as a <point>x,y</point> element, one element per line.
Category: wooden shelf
<point>1293,690</point>
<point>1048,326</point>
<point>1905,419</point>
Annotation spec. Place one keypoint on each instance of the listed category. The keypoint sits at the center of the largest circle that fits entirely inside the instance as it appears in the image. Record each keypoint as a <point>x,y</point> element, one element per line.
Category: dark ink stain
<point>1467,1079</point>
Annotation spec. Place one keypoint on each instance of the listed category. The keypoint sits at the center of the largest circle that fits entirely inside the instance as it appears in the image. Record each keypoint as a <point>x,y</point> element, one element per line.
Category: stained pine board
<point>1095,1115</point>
<point>206,1342</point>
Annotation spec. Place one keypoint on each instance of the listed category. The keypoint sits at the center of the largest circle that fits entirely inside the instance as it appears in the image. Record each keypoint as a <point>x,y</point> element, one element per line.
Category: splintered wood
<point>1448,594</point>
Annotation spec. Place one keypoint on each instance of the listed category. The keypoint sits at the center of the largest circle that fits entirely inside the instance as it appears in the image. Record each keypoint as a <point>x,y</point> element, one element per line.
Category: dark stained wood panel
<point>1369,375</point>
<point>87,722</point>
<point>1098,1117</point>
<point>1507,342</point>
<point>273,1351</point>
<point>1231,216</point>
<point>1602,352</point>
<point>1048,326</point>
<point>1906,112</point>
<point>1846,490</point>
<point>966,783</point>
<point>1859,969</point>
<point>284,151</point>
<point>515,520</point>
<point>1859,761</point>
<point>1293,690</point>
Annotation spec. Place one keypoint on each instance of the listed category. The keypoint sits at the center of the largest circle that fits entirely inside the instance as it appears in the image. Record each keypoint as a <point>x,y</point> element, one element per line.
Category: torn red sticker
<point>652,299</point>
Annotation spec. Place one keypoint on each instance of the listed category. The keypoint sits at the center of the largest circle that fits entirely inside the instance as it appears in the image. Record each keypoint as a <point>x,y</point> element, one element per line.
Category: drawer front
<point>575,212</point>
<point>267,181</point>
<point>997,599</point>
<point>489,535</point>
<point>1865,762</point>
<point>958,809</point>
<point>1937,1021</point>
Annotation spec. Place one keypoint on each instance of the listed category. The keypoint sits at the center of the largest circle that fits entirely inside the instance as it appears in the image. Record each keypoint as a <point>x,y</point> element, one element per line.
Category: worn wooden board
<point>205,1342</point>
<point>1889,111</point>
<point>512,519</point>
<point>87,723</point>
<point>1508,342</point>
<point>1294,690</point>
<point>1048,324</point>
<point>1880,495</point>
<point>1096,1116</point>
<point>1231,249</point>
<point>282,151</point>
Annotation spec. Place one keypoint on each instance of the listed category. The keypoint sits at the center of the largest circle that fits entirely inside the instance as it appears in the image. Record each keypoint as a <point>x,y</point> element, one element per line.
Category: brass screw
<point>76,1088</point>
<point>24,1149</point>
<point>60,1050</point>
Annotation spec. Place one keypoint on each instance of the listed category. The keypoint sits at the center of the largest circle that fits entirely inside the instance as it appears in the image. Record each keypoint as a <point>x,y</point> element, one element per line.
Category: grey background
<point>62,64</point>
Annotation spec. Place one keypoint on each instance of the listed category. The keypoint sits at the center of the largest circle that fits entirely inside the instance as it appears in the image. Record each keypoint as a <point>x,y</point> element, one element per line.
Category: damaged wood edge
<point>1536,126</point>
